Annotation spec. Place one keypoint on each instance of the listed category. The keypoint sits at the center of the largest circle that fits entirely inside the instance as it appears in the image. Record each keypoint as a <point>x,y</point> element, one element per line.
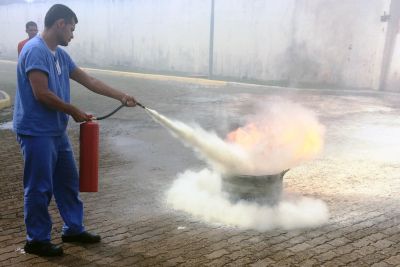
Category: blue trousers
<point>50,168</point>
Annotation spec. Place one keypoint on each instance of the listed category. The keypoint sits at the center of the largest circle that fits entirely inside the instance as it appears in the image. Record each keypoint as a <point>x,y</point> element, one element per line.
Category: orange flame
<point>301,144</point>
<point>246,137</point>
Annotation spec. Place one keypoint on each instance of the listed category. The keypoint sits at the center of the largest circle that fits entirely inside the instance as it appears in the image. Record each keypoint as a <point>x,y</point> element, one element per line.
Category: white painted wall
<point>393,81</point>
<point>393,71</point>
<point>315,43</point>
<point>155,35</point>
<point>345,41</point>
<point>252,37</point>
<point>301,41</point>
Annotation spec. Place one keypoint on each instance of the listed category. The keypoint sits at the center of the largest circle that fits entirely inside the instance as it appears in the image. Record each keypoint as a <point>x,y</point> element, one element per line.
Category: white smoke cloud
<point>200,193</point>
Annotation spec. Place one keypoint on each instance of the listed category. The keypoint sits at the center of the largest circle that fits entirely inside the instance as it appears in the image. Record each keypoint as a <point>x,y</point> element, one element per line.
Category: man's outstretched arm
<point>101,88</point>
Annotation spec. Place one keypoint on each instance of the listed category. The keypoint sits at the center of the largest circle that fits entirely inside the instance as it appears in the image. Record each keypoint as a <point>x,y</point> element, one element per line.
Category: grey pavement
<point>357,175</point>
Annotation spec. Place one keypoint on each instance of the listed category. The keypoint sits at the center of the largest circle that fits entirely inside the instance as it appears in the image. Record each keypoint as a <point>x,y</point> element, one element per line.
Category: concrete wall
<point>142,34</point>
<point>251,40</point>
<point>317,43</point>
<point>390,77</point>
<point>393,80</point>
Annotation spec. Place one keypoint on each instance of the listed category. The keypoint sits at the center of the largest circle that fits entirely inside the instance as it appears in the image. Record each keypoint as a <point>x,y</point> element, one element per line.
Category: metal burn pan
<point>262,189</point>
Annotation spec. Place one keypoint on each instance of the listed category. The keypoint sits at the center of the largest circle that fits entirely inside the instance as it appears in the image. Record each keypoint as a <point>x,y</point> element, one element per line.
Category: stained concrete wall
<point>152,35</point>
<point>317,43</point>
<point>390,77</point>
<point>393,79</point>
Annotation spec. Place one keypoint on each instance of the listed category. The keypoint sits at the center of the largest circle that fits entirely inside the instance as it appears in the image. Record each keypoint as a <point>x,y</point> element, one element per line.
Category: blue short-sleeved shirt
<point>30,116</point>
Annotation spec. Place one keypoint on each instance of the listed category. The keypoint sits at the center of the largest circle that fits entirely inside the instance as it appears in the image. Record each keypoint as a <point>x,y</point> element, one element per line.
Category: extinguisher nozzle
<point>140,105</point>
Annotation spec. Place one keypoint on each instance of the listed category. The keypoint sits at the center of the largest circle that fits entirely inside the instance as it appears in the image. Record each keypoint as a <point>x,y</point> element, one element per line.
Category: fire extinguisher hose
<point>115,110</point>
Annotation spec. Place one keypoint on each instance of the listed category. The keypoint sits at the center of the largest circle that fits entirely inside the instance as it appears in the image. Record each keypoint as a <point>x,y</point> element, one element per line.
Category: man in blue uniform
<point>41,112</point>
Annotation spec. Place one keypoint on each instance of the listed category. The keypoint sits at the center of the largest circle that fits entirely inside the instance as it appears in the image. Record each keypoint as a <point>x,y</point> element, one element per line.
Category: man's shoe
<point>84,237</point>
<point>46,249</point>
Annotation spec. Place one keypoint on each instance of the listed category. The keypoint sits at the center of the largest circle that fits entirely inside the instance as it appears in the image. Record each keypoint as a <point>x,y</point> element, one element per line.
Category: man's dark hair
<point>59,11</point>
<point>29,24</point>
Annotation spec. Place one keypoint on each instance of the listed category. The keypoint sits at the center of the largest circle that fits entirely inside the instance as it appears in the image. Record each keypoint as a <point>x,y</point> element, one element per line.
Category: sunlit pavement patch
<point>6,126</point>
<point>4,100</point>
<point>20,250</point>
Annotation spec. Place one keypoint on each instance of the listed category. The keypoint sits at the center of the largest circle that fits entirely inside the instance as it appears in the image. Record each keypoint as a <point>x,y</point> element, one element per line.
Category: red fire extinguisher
<point>89,157</point>
<point>89,153</point>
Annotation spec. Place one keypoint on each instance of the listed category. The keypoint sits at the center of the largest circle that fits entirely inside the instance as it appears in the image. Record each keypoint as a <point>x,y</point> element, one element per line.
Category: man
<point>40,121</point>
<point>32,30</point>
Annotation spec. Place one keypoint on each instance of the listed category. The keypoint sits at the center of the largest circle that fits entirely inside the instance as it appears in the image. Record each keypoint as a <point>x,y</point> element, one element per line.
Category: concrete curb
<point>161,77</point>
<point>4,100</point>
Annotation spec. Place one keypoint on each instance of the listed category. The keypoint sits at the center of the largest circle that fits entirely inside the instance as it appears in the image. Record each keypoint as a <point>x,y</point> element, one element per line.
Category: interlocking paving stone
<point>394,260</point>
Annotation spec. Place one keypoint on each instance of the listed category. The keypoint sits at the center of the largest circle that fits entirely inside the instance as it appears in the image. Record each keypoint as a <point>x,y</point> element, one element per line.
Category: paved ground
<point>357,175</point>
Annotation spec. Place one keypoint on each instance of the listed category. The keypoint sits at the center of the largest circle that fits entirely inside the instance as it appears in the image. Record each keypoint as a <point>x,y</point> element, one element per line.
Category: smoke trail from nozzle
<point>218,153</point>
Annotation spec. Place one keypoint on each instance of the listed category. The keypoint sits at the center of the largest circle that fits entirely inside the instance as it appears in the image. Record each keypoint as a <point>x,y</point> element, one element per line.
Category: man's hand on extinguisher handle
<point>128,100</point>
<point>78,115</point>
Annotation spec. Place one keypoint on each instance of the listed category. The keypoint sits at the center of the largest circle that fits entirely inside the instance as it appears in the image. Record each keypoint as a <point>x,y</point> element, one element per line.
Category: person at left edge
<point>31,29</point>
<point>41,111</point>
